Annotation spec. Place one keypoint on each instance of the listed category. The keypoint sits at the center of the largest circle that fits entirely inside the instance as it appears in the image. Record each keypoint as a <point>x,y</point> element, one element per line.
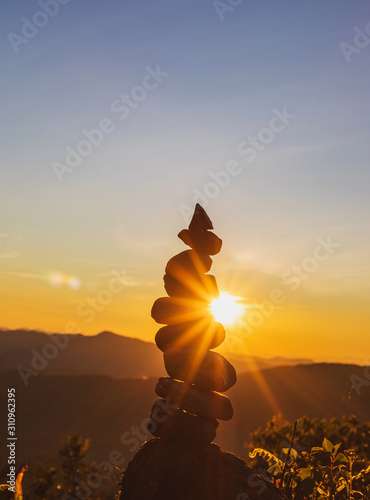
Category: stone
<point>185,265</point>
<point>200,220</point>
<point>201,241</point>
<point>197,287</point>
<point>173,424</point>
<point>159,470</point>
<point>204,334</point>
<point>173,310</point>
<point>208,404</point>
<point>210,371</point>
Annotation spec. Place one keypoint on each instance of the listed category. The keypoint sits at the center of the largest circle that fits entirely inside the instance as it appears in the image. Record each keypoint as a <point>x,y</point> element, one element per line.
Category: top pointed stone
<point>200,220</point>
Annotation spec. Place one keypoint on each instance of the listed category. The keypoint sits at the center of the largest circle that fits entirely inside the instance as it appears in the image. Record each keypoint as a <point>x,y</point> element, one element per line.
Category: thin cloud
<point>129,280</point>
<point>95,262</point>
<point>10,255</point>
<point>24,275</point>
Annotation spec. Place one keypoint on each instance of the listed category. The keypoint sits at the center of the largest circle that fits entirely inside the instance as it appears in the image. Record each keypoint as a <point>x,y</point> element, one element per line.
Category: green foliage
<point>73,452</point>
<point>311,433</point>
<point>275,464</point>
<point>326,470</point>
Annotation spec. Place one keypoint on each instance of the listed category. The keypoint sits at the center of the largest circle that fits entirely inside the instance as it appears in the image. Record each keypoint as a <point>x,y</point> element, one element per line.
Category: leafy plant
<point>319,473</point>
<point>74,468</point>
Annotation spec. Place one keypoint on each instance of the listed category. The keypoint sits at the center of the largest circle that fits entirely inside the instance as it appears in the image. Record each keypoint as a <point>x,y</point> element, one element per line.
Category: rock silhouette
<point>190,332</point>
<point>162,471</point>
<point>181,461</point>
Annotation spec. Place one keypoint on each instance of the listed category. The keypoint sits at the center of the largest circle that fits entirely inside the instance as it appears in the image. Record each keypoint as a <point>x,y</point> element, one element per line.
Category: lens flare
<point>57,279</point>
<point>226,309</point>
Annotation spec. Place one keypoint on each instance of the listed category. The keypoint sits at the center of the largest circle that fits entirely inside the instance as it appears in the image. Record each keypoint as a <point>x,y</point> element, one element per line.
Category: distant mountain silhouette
<point>105,409</point>
<point>104,354</point>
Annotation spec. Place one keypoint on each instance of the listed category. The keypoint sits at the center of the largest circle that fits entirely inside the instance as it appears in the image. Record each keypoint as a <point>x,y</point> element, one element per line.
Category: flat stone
<point>201,241</point>
<point>200,220</point>
<point>173,424</point>
<point>173,310</point>
<point>185,265</point>
<point>203,334</point>
<point>210,371</point>
<point>197,287</point>
<point>208,404</point>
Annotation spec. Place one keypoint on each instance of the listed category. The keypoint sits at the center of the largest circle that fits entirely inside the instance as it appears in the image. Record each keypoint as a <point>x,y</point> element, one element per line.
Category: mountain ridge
<point>106,353</point>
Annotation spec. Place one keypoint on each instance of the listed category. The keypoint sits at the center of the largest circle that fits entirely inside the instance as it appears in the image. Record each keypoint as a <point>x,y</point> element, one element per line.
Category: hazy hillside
<point>103,354</point>
<point>319,390</point>
<point>103,409</point>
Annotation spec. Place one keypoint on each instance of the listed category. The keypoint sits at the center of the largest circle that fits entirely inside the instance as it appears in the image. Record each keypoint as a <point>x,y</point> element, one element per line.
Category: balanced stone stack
<point>190,402</point>
<point>181,461</point>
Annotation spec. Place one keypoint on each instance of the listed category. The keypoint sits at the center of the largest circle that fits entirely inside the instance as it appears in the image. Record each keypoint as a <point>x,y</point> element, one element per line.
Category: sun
<point>226,309</point>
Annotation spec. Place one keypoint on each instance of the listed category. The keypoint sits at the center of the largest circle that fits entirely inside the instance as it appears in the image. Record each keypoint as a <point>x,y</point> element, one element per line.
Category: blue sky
<point>225,78</point>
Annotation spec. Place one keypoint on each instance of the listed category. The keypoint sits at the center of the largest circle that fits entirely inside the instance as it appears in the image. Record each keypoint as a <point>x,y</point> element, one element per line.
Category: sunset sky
<point>262,98</point>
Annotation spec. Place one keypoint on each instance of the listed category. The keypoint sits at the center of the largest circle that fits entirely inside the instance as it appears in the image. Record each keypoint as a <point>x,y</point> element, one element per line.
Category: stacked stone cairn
<point>181,461</point>
<point>190,402</point>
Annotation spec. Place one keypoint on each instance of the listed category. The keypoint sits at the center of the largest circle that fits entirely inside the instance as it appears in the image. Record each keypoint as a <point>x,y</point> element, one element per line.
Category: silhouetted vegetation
<point>328,459</point>
<point>305,464</point>
<point>67,481</point>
